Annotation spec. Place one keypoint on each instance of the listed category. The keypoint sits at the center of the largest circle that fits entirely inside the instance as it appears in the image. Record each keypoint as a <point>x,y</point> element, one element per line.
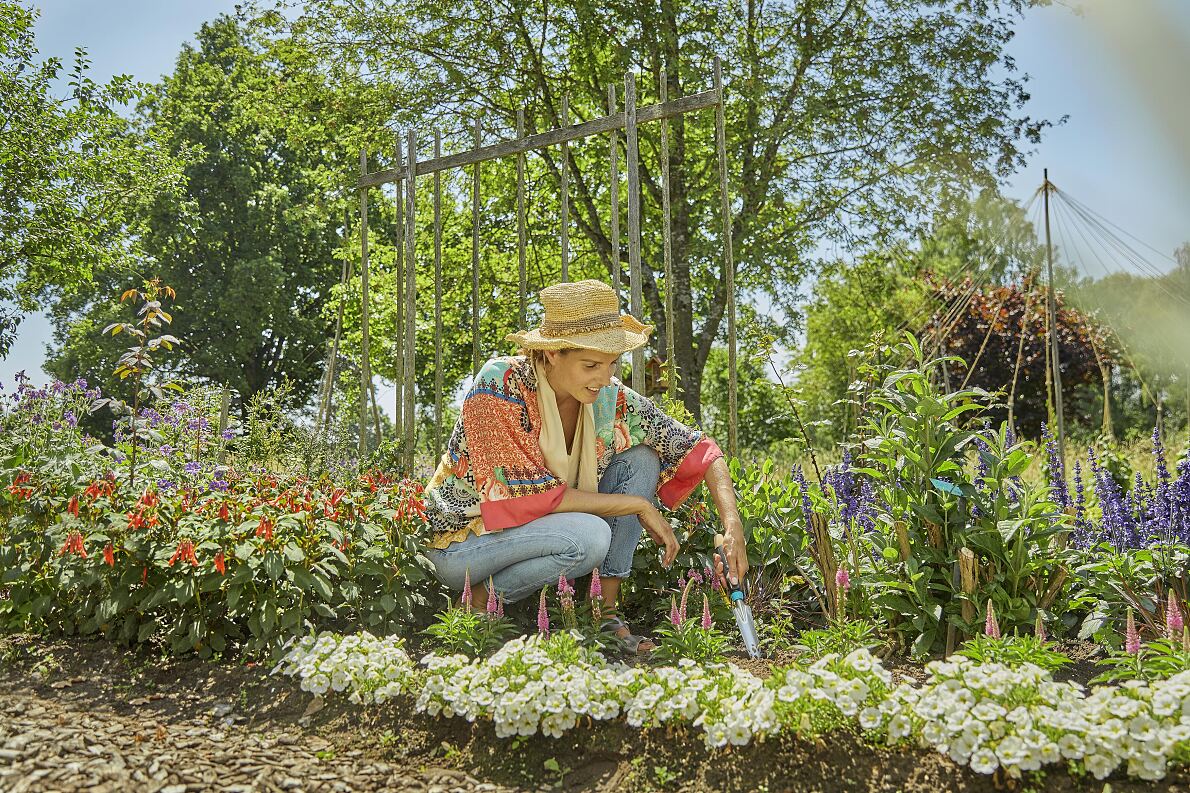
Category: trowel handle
<point>721,555</point>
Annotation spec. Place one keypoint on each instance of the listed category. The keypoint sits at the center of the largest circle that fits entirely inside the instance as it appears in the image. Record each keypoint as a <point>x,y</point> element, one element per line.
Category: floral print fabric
<point>493,474</point>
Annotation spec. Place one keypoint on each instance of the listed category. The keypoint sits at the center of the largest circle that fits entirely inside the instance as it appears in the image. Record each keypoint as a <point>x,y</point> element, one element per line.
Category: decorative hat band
<point>555,328</point>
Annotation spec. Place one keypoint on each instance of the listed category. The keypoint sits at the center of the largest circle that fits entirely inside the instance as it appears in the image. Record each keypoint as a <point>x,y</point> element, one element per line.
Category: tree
<point>74,173</point>
<point>250,246</point>
<point>845,119</point>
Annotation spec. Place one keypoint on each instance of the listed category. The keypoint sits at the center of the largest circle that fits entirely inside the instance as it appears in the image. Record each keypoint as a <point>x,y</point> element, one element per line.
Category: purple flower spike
<point>543,616</point>
<point>706,613</point>
<point>491,605</point>
<point>467,589</point>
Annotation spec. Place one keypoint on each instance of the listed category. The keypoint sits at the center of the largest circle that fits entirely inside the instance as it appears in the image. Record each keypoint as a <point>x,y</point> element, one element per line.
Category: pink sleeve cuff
<point>690,473</point>
<point>509,512</point>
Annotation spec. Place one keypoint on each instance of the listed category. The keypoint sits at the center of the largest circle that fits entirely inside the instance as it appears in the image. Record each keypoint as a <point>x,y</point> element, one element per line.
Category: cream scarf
<point>578,468</point>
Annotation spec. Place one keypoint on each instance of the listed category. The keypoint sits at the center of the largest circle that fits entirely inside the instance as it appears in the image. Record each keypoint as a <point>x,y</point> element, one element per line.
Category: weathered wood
<point>475,258</point>
<point>671,359</point>
<point>553,137</point>
<point>728,265</point>
<point>410,436</point>
<point>437,302</point>
<point>614,151</point>
<point>364,369</point>
<point>522,268</point>
<point>634,271</point>
<point>326,403</point>
<point>399,341</point>
<point>565,219</point>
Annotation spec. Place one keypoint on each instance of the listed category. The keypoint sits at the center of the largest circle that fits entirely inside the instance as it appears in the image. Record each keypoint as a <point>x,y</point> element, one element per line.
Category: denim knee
<point>594,536</point>
<point>643,463</point>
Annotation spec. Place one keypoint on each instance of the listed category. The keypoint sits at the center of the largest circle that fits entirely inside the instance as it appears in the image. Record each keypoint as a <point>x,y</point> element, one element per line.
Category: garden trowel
<point>735,595</point>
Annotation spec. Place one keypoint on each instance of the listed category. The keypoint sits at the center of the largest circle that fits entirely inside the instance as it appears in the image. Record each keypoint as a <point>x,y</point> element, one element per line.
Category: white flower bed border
<point>985,716</point>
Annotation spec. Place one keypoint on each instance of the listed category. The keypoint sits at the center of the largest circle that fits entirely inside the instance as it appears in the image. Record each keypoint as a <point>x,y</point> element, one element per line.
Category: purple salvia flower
<point>1055,469</point>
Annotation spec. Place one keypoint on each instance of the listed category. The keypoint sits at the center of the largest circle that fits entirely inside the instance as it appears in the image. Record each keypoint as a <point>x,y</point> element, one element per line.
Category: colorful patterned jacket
<point>493,475</point>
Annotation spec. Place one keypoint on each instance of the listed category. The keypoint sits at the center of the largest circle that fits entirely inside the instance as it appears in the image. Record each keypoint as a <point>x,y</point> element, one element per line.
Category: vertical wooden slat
<point>671,360</point>
<point>634,273</point>
<point>565,220</point>
<point>325,406</point>
<point>399,340</point>
<point>522,268</point>
<point>475,259</point>
<point>224,407</point>
<point>614,150</point>
<point>364,369</point>
<point>410,299</point>
<point>728,263</point>
<point>437,302</point>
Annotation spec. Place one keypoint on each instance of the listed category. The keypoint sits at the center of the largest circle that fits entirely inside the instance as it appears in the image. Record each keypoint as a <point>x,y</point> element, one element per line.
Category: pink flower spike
<point>842,580</point>
<point>706,613</point>
<point>1039,629</point>
<point>500,608</point>
<point>990,626</point>
<point>491,609</point>
<point>596,585</point>
<point>467,590</point>
<point>1131,636</point>
<point>1173,617</point>
<point>543,616</point>
<point>685,599</point>
<point>674,619</point>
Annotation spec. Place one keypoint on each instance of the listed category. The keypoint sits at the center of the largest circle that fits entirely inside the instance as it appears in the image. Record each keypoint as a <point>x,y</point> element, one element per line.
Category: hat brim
<point>629,335</point>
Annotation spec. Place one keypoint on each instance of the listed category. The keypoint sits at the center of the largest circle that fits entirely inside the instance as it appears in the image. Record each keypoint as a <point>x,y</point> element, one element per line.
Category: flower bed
<point>987,716</point>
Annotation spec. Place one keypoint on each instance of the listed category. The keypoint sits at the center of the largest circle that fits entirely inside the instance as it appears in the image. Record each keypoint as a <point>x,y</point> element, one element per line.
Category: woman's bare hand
<point>659,529</point>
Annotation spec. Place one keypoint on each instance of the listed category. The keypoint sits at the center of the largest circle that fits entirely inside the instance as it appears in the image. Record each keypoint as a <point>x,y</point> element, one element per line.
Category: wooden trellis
<point>409,168</point>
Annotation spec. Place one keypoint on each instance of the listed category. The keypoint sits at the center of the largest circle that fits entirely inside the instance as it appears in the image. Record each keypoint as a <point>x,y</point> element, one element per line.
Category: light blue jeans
<point>523,559</point>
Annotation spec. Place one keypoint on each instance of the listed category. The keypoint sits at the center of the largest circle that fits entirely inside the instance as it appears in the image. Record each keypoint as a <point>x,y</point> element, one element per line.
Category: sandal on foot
<point>631,642</point>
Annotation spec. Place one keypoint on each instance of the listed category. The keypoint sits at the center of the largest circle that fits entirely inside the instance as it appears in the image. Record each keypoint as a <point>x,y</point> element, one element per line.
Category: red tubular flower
<point>73,506</point>
<point>149,498</point>
<point>137,520</point>
<point>185,553</point>
<point>337,496</point>
<point>109,556</point>
<point>224,512</point>
<point>92,491</point>
<point>264,528</point>
<point>74,545</point>
<point>219,564</point>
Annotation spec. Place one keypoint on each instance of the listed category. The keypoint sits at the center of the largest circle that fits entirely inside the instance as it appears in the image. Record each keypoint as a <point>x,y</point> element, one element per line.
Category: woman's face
<point>580,374</point>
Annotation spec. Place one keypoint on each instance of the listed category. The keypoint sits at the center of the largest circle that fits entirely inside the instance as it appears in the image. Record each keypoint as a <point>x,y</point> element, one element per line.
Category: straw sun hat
<point>583,315</point>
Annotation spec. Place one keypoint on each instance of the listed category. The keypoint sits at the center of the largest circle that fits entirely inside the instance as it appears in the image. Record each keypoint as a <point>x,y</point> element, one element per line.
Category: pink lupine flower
<point>842,580</point>
<point>596,585</point>
<point>543,616</point>
<point>467,590</point>
<point>1039,629</point>
<point>491,605</point>
<point>1173,616</point>
<point>674,619</point>
<point>500,608</point>
<point>1131,636</point>
<point>1186,638</point>
<point>990,626</point>
<point>682,605</point>
<point>706,613</point>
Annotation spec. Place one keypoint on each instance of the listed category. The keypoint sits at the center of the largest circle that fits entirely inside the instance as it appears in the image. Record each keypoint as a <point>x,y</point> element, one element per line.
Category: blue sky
<point>1116,71</point>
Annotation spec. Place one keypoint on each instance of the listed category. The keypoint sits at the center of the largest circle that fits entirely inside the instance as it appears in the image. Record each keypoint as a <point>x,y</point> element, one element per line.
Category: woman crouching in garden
<point>554,465</point>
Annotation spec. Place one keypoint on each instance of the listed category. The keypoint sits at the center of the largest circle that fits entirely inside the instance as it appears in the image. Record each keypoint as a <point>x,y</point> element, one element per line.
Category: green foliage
<point>841,637</point>
<point>916,452</point>
<point>1157,660</point>
<point>1012,651</point>
<point>251,243</point>
<point>690,640</point>
<point>464,630</point>
<point>76,173</point>
<point>816,118</point>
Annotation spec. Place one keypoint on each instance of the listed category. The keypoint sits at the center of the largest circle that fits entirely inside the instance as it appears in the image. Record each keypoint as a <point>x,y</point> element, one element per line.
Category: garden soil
<point>85,715</point>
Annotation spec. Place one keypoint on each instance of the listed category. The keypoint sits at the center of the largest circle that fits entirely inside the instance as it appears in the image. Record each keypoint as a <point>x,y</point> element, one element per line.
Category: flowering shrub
<point>372,669</point>
<point>247,559</point>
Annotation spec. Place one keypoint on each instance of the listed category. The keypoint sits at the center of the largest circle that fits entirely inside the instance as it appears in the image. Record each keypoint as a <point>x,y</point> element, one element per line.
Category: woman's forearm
<point>606,505</point>
<point>718,481</point>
